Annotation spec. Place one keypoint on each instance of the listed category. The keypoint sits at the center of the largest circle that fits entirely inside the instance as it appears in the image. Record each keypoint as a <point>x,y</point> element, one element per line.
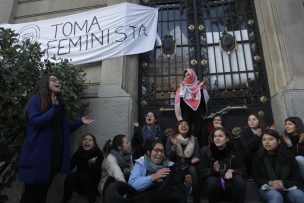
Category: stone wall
<point>280,23</point>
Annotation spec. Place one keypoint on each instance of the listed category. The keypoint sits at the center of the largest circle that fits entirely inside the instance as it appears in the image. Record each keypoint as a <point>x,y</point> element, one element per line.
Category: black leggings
<point>37,192</point>
<point>82,183</point>
<point>195,183</point>
<point>234,191</point>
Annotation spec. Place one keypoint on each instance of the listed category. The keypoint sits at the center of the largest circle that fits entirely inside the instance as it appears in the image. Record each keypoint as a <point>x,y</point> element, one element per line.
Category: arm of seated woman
<point>138,178</point>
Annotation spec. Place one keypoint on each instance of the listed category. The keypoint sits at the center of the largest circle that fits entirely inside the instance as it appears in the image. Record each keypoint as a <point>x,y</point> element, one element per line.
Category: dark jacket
<point>261,177</point>
<point>231,157</point>
<point>171,153</point>
<point>35,157</point>
<point>296,148</point>
<point>81,160</point>
<point>143,134</point>
<point>250,143</point>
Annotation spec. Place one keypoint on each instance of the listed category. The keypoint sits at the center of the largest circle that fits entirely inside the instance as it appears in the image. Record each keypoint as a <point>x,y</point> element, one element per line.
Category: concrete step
<point>56,191</point>
<point>251,194</point>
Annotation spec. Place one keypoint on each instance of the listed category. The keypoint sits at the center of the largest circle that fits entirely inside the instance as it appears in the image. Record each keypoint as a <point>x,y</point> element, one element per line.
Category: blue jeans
<point>300,160</point>
<point>274,196</point>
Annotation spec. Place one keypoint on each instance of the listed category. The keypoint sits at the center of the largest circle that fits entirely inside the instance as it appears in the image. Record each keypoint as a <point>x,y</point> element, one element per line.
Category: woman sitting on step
<point>294,139</point>
<point>276,172</point>
<point>87,159</point>
<point>222,168</point>
<point>118,162</point>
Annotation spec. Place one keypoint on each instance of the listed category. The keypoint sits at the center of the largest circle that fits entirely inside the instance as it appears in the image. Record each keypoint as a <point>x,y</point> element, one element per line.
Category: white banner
<point>121,29</point>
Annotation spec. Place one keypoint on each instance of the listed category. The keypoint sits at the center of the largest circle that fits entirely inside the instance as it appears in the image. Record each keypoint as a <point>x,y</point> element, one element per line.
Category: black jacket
<point>80,161</point>
<point>260,175</point>
<point>233,159</point>
<point>250,143</point>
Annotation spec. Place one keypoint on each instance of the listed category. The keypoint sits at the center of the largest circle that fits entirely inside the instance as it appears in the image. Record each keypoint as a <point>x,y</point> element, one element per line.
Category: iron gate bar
<point>197,42</point>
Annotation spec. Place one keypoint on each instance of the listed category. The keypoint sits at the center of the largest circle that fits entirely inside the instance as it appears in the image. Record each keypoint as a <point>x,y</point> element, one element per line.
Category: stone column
<point>7,10</point>
<point>116,105</point>
<point>281,25</point>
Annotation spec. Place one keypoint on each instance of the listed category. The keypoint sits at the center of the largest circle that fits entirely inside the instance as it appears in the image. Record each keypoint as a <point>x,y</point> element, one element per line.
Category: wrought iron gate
<point>220,40</point>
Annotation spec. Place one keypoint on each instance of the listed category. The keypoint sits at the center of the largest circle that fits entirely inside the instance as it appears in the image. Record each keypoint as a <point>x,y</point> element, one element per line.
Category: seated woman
<point>294,139</point>
<point>250,139</point>
<point>222,168</point>
<point>150,170</point>
<point>145,134</point>
<point>87,159</point>
<point>117,164</point>
<point>183,149</point>
<point>276,171</point>
<point>217,122</point>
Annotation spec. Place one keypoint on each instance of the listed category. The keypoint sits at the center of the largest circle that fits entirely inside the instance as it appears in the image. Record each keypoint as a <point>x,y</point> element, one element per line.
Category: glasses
<point>161,151</point>
<point>54,80</point>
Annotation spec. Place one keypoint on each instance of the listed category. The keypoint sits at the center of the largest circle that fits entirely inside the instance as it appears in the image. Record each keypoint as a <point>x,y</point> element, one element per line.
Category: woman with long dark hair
<point>87,160</point>
<point>294,139</point>
<point>276,172</point>
<point>222,168</point>
<point>183,149</point>
<point>46,146</point>
<point>250,139</point>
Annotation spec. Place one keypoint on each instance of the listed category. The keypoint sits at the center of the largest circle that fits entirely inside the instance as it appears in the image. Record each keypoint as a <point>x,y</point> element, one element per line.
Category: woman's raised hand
<point>88,121</point>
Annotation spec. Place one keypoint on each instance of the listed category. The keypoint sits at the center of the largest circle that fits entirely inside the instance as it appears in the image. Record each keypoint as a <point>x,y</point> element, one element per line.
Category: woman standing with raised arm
<point>46,146</point>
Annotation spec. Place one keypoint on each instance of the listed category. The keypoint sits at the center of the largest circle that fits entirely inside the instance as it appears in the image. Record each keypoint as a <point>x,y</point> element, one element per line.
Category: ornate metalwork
<point>250,22</point>
<point>227,42</point>
<point>264,99</point>
<point>236,131</point>
<point>261,113</point>
<point>257,58</point>
<point>191,27</point>
<point>201,27</point>
<point>144,64</point>
<point>196,26</point>
<point>168,45</point>
<point>204,62</point>
<point>193,62</point>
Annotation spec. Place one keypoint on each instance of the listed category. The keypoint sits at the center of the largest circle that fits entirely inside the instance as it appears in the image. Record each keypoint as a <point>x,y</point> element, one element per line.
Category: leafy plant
<point>20,67</point>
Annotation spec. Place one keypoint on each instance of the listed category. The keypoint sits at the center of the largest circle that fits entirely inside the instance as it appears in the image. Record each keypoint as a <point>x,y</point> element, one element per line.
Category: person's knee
<point>239,183</point>
<point>271,196</point>
<point>211,185</point>
<point>300,160</point>
<point>295,195</point>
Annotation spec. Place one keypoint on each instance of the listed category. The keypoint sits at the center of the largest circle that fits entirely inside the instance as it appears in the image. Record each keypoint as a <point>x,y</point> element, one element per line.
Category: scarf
<point>190,91</point>
<point>153,167</point>
<point>124,161</point>
<point>184,146</point>
<point>278,172</point>
<point>220,154</point>
<point>88,154</point>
